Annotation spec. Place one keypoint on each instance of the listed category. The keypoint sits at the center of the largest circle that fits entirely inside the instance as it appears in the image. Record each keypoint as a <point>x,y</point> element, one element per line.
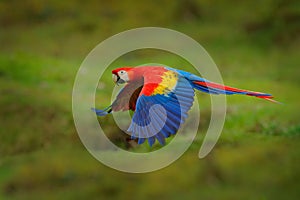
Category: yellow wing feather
<point>168,83</point>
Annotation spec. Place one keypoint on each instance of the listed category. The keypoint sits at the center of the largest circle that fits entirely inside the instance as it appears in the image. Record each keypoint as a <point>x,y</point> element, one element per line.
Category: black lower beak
<point>120,81</point>
<point>117,79</point>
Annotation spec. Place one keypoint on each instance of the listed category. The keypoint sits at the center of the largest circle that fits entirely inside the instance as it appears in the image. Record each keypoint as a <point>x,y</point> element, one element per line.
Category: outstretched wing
<point>162,106</point>
<point>125,100</point>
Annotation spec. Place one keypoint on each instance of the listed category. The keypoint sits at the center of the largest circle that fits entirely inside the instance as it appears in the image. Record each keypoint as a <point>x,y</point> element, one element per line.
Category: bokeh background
<point>255,45</point>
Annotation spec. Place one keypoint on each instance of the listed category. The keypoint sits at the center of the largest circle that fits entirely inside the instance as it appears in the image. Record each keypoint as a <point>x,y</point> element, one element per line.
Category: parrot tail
<point>215,88</point>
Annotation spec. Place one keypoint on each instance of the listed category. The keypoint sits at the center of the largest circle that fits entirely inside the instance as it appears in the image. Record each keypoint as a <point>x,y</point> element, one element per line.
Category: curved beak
<point>115,78</point>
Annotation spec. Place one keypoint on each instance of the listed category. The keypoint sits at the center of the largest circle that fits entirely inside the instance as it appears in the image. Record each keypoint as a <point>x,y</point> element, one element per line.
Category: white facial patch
<point>123,75</point>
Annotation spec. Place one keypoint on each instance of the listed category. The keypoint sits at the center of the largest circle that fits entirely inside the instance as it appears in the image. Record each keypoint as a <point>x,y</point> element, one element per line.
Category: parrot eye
<point>122,72</point>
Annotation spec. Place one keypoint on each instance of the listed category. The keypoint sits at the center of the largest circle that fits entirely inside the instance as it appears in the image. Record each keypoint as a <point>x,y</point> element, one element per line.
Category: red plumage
<point>236,90</point>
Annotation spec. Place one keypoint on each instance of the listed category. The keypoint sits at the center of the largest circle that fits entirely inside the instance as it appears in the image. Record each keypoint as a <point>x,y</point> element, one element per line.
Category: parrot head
<point>121,75</point>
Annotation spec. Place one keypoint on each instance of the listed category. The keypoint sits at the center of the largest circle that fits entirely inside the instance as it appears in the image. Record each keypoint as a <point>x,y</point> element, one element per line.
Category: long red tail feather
<point>232,90</point>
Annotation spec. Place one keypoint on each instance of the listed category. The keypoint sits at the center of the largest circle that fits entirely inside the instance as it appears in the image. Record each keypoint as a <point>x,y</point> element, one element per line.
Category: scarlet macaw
<point>161,97</point>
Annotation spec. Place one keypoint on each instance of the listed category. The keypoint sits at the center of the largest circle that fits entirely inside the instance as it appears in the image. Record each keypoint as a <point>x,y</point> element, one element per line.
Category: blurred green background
<point>256,46</point>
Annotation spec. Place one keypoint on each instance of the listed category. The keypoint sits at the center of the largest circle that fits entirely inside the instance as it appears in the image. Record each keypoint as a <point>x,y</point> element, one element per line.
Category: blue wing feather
<point>176,105</point>
<point>160,138</point>
<point>102,112</point>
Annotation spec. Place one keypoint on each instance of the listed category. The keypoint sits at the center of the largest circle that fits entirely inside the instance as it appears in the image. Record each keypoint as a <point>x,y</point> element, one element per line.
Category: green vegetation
<point>255,45</point>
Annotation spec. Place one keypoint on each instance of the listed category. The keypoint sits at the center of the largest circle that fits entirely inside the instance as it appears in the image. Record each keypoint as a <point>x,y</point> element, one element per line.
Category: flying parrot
<point>160,98</point>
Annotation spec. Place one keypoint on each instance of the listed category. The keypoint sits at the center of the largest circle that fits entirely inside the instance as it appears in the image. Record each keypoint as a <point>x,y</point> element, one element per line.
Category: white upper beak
<point>115,78</point>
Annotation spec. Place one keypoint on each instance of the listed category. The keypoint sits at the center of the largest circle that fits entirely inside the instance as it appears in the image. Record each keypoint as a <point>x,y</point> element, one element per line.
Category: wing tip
<point>151,141</point>
<point>102,112</point>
